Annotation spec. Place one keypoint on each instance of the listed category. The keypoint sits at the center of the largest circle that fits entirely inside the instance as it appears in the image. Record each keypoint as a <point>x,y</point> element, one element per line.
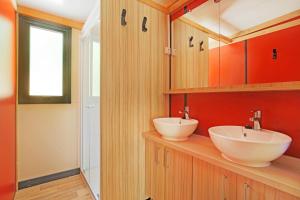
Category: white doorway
<point>90,108</point>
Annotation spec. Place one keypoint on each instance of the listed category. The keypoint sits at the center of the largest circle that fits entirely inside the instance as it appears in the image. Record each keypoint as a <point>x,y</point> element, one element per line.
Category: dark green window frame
<point>24,51</point>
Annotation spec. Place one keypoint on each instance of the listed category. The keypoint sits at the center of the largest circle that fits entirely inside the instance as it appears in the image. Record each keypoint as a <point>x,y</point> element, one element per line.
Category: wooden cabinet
<point>225,184</point>
<point>273,194</point>
<point>248,189</point>
<point>171,173</point>
<point>157,172</point>
<point>174,175</point>
<point>203,186</point>
<point>178,175</point>
<point>211,182</point>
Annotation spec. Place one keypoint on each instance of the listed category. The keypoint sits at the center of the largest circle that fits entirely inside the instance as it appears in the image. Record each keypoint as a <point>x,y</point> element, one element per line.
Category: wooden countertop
<point>283,174</point>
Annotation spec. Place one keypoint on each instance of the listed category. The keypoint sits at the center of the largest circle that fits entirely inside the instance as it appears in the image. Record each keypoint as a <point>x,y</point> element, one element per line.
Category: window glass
<point>46,62</point>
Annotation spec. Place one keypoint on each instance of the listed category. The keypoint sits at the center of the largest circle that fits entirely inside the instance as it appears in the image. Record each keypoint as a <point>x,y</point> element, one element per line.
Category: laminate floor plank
<point>71,188</point>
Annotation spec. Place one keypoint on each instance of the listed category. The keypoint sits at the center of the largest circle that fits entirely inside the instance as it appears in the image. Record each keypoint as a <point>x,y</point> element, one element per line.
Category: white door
<point>91,110</point>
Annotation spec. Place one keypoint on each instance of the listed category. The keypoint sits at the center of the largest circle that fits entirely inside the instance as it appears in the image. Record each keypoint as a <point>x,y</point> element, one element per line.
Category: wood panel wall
<point>134,71</point>
<point>189,64</point>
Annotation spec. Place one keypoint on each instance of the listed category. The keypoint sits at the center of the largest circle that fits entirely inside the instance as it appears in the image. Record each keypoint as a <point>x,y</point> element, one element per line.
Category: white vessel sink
<point>255,148</point>
<point>175,129</point>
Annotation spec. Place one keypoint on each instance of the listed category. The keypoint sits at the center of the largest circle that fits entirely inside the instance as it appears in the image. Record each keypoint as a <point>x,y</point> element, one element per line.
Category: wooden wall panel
<point>189,65</point>
<point>134,73</point>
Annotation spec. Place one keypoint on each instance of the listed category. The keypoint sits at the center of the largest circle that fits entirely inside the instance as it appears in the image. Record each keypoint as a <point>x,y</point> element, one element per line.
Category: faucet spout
<point>186,113</point>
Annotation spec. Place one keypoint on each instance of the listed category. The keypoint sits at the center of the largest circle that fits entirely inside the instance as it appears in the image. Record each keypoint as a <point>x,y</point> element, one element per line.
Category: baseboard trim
<point>48,178</point>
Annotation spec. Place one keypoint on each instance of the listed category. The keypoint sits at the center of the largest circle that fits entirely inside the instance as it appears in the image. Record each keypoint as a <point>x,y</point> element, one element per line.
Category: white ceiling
<point>238,15</point>
<point>73,9</point>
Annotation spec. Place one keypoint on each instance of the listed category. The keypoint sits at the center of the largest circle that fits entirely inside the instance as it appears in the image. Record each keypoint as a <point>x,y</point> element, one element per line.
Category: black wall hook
<point>191,41</point>
<point>201,46</point>
<point>123,17</point>
<point>144,28</point>
<point>275,54</point>
<point>185,9</point>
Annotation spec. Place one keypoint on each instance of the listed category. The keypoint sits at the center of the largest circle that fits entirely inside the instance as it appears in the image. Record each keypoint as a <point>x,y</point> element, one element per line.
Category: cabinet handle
<point>225,178</point>
<point>246,187</point>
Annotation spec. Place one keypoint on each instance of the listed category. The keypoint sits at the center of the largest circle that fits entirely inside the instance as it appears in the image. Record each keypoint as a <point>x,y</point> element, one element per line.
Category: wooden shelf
<point>281,86</point>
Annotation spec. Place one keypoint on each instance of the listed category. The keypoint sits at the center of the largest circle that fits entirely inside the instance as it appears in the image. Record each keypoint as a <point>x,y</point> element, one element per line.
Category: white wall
<point>49,135</point>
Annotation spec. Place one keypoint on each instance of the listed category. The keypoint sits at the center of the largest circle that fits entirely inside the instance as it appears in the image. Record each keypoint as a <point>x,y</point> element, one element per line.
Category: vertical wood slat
<point>133,75</point>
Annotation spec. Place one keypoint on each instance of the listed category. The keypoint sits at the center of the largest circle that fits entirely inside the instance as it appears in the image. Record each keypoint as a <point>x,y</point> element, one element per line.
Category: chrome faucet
<point>186,113</point>
<point>256,119</point>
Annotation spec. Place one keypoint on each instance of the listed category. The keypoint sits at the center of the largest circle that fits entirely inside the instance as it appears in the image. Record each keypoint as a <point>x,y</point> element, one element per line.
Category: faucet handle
<point>186,109</point>
<point>257,114</point>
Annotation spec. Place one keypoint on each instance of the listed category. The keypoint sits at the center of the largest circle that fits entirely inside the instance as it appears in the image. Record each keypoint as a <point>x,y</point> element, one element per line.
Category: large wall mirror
<point>234,42</point>
<point>196,41</point>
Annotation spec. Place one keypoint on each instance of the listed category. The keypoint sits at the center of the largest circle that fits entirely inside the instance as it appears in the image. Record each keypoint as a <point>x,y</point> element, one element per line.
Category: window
<point>44,62</point>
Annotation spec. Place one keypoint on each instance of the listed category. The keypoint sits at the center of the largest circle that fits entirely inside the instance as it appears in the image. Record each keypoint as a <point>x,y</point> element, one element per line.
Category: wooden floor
<point>72,188</point>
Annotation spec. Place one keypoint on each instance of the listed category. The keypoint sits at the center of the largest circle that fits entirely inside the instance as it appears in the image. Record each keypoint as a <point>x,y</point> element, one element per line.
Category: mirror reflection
<point>240,50</point>
<point>263,47</point>
<point>195,39</point>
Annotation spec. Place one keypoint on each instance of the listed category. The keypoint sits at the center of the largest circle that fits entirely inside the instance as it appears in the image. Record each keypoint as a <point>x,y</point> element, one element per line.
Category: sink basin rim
<point>169,123</point>
<point>258,148</point>
<point>175,128</point>
<point>285,138</point>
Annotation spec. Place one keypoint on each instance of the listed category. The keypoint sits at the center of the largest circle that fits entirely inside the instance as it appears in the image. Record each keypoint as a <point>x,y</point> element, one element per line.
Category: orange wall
<point>261,66</point>
<point>232,65</point>
<point>214,67</point>
<point>231,69</point>
<point>280,111</point>
<point>8,106</point>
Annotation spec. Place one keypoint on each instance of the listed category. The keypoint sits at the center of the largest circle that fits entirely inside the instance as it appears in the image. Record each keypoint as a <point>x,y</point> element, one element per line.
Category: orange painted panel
<point>7,101</point>
<point>214,67</point>
<point>262,68</point>
<point>280,111</point>
<point>232,67</point>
